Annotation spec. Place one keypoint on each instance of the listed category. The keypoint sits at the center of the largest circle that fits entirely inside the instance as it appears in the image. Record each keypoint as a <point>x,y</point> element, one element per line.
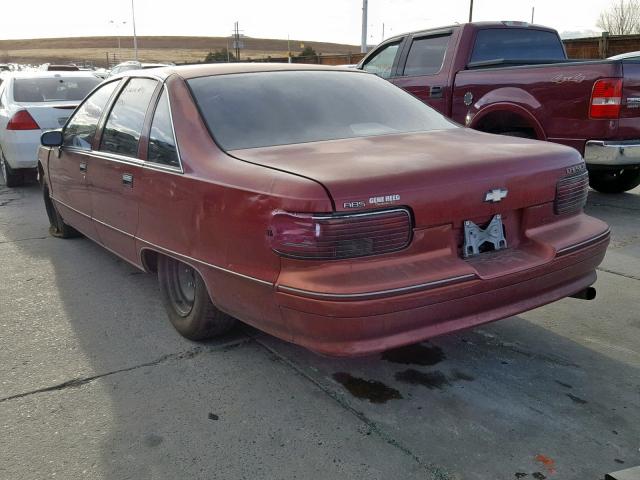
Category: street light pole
<point>135,38</point>
<point>470,11</point>
<point>363,43</point>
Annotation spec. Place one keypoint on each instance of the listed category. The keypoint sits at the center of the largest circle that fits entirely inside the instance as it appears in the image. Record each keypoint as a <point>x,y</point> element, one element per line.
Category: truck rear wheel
<point>187,301</point>
<point>614,180</point>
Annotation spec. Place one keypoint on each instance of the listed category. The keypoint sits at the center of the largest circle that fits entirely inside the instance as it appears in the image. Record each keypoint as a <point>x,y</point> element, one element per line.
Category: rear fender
<point>509,102</point>
<point>506,117</point>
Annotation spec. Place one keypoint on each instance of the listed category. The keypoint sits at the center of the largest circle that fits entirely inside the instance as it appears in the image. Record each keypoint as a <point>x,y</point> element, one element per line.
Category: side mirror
<point>52,138</point>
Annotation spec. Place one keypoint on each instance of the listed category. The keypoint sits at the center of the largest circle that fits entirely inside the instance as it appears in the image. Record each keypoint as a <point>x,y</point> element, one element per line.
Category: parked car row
<point>324,206</point>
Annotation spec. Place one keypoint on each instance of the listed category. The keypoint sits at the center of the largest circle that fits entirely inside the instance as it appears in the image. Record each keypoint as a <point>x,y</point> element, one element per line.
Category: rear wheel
<point>187,302</point>
<point>57,226</point>
<point>615,180</point>
<point>12,178</point>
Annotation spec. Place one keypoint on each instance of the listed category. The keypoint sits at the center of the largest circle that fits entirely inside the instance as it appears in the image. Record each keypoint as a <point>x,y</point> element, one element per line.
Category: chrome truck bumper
<point>612,153</point>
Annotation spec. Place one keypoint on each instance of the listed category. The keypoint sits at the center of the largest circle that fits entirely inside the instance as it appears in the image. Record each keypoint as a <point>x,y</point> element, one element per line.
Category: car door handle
<point>83,166</point>
<point>436,92</point>
<point>127,179</point>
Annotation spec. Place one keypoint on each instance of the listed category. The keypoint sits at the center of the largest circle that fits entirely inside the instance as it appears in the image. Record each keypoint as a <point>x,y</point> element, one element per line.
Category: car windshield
<point>52,89</point>
<point>287,107</point>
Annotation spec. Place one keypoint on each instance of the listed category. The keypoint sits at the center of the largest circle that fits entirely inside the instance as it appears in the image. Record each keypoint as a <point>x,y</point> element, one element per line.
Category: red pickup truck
<point>514,78</point>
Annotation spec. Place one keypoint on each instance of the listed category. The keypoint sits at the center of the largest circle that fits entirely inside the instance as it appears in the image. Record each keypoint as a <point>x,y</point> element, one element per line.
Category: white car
<point>626,56</point>
<point>29,104</point>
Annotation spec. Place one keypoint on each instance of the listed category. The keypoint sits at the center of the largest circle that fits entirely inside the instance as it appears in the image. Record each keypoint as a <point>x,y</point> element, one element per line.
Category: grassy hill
<point>150,49</point>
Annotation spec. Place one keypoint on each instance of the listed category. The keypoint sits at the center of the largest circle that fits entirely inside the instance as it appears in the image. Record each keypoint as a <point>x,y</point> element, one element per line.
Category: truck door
<point>423,69</point>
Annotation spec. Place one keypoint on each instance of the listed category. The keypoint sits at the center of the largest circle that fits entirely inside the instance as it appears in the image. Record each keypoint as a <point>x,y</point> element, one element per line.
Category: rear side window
<point>82,126</point>
<point>162,143</point>
<point>520,44</point>
<point>381,63</point>
<point>54,89</point>
<point>426,55</point>
<point>126,119</point>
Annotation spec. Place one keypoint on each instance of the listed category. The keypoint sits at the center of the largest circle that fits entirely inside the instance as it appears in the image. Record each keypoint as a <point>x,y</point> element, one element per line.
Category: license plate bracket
<point>478,240</point>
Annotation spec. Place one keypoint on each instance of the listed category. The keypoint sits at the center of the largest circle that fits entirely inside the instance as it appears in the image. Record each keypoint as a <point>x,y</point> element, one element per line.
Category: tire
<point>12,178</point>
<point>614,181</point>
<point>186,300</point>
<point>57,226</point>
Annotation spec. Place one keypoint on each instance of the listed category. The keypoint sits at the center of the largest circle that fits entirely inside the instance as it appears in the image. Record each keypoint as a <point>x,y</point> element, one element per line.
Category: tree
<point>222,55</point>
<point>622,18</point>
<point>307,52</point>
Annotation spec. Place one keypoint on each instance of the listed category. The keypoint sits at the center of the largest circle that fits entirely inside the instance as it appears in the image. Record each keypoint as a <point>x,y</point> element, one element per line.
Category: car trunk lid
<point>50,115</point>
<point>444,177</point>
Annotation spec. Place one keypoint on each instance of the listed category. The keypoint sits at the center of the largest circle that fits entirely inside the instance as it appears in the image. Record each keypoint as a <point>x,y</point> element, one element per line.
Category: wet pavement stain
<point>212,416</point>
<point>520,474</point>
<point>459,375</point>
<point>430,380</point>
<point>372,390</point>
<point>538,476</point>
<point>153,440</point>
<point>577,400</point>
<point>617,460</point>
<point>417,354</point>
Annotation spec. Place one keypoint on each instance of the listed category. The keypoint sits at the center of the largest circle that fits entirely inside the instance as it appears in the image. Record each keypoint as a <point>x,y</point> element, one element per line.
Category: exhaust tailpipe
<point>588,293</point>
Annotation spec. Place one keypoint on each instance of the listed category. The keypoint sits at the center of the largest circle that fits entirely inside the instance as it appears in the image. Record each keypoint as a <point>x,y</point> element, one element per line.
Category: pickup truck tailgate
<point>631,91</point>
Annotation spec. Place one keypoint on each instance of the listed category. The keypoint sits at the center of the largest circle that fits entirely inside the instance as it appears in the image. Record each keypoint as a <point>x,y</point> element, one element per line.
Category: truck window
<point>520,44</point>
<point>426,55</point>
<point>382,62</point>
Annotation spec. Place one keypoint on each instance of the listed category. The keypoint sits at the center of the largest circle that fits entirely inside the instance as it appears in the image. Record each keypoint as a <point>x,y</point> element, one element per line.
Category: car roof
<point>474,26</point>
<point>51,74</point>
<point>210,69</point>
<point>625,55</point>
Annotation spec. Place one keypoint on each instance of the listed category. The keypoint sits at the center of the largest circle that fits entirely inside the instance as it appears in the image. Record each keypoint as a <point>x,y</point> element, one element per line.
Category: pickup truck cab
<point>514,78</point>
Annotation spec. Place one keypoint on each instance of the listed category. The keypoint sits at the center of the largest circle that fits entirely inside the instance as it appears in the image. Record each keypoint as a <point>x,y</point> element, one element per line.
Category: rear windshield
<point>280,108</point>
<point>52,89</point>
<point>517,44</point>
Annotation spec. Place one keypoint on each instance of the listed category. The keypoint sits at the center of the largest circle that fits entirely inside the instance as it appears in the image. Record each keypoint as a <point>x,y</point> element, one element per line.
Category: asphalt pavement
<point>96,384</point>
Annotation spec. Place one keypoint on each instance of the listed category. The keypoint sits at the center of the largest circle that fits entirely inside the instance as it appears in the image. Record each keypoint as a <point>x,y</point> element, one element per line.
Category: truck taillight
<point>606,98</point>
<point>571,193</point>
<point>332,237</point>
<point>22,120</point>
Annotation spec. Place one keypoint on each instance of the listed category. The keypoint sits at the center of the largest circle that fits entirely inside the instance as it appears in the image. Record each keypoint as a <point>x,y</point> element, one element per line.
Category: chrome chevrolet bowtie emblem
<point>496,195</point>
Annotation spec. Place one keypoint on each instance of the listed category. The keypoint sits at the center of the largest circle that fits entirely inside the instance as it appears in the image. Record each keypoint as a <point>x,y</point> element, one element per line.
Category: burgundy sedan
<point>324,206</point>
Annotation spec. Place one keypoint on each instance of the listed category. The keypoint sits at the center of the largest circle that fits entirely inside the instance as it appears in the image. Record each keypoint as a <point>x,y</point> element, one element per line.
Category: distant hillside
<point>150,49</point>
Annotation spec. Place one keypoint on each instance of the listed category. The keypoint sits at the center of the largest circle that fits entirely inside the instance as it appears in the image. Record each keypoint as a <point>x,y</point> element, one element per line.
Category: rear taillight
<point>606,98</point>
<point>22,120</point>
<point>337,236</point>
<point>571,193</point>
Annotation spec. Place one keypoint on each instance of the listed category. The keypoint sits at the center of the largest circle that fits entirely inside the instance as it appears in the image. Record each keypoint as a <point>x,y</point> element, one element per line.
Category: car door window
<point>381,63</point>
<point>426,55</point>
<point>126,119</point>
<point>81,128</point>
<point>162,142</point>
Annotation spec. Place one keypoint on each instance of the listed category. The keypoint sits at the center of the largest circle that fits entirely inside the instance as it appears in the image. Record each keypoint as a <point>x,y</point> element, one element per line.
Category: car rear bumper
<point>20,148</point>
<point>349,326</point>
<point>612,153</point>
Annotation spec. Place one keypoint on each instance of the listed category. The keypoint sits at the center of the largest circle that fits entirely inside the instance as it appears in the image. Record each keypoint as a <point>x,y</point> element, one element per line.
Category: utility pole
<point>470,10</point>
<point>363,42</point>
<point>382,31</point>
<point>288,49</point>
<point>135,38</point>
<point>533,10</point>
